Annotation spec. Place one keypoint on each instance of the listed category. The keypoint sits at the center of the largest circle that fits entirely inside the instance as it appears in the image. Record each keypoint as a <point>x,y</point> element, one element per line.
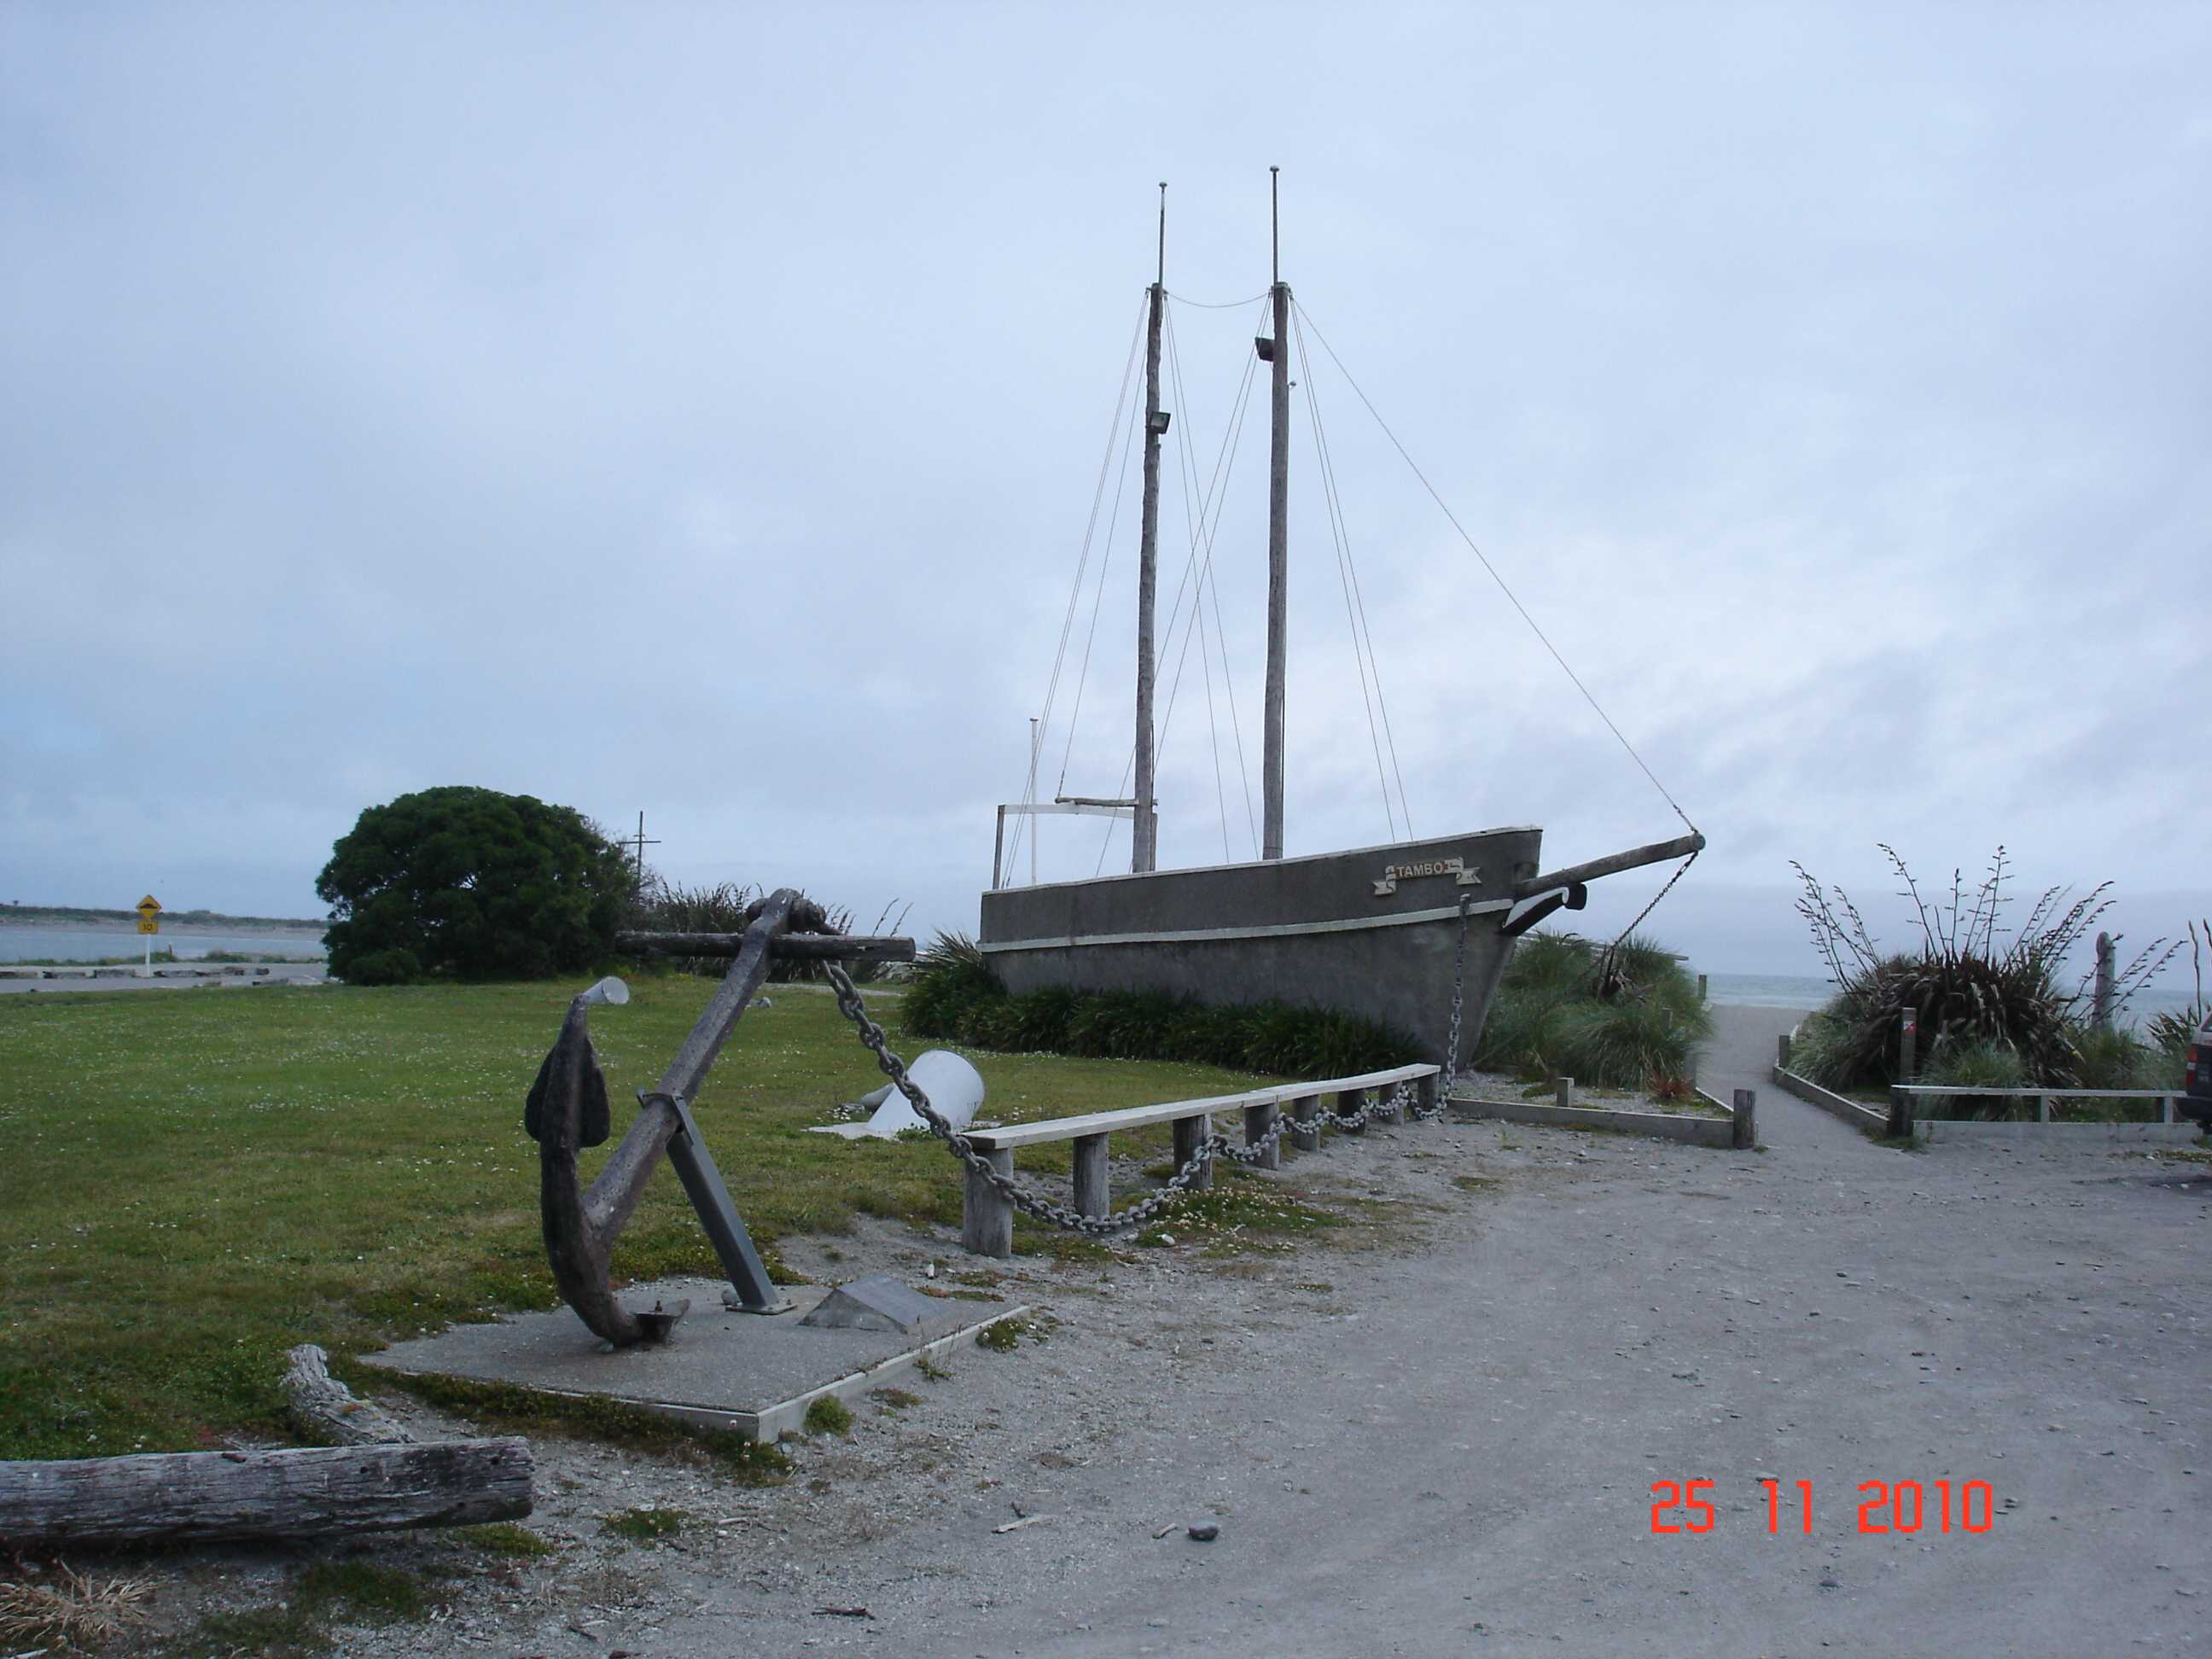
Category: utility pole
<point>1145,833</point>
<point>642,843</point>
<point>1278,509</point>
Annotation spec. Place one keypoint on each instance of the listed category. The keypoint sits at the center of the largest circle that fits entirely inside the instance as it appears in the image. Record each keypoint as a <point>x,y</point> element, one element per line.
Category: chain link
<point>1400,1100</point>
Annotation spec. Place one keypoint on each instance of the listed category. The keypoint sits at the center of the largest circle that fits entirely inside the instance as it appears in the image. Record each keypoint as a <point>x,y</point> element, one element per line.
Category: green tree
<point>473,883</point>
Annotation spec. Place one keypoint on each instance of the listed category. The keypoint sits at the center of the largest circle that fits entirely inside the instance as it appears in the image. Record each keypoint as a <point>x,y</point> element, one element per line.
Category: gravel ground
<point>1436,1430</point>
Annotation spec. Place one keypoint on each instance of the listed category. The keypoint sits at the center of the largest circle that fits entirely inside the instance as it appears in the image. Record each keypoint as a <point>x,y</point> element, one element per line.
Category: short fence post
<point>1900,1112</point>
<point>1304,1111</point>
<point>2166,1109</point>
<point>1258,1120</point>
<point>987,1215</point>
<point>1743,1133</point>
<point>1190,1134</point>
<point>1782,1051</point>
<point>1567,1092</point>
<point>1908,1044</point>
<point>2043,1108</point>
<point>1093,1189</point>
<point>1701,988</point>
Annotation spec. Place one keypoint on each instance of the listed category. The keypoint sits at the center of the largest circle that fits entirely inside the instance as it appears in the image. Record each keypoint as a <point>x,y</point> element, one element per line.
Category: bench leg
<point>1389,1114</point>
<point>1425,1093</point>
<point>1305,1112</point>
<point>987,1216</point>
<point>1191,1133</point>
<point>1351,1100</point>
<point>1258,1120</point>
<point>1092,1195</point>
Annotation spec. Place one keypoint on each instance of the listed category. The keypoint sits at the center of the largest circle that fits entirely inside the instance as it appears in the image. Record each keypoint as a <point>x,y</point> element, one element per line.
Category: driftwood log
<point>325,1405</point>
<point>297,1492</point>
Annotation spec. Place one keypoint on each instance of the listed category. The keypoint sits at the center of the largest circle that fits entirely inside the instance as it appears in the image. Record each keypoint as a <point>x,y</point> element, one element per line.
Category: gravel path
<point>1444,1442</point>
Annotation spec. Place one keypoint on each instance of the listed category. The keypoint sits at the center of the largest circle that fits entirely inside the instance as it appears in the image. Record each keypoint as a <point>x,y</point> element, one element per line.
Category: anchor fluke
<point>569,1100</point>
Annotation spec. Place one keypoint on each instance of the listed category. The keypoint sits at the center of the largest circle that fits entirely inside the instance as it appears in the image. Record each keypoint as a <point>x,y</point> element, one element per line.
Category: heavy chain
<point>1213,1146</point>
<point>1043,1209</point>
<point>1450,1079</point>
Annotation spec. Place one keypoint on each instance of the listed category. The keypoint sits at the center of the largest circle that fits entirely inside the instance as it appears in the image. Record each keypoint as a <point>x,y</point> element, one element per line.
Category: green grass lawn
<point>192,1181</point>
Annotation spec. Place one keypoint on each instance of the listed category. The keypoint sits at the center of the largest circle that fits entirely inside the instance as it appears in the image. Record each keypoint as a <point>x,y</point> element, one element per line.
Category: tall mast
<point>1278,506</point>
<point>1144,823</point>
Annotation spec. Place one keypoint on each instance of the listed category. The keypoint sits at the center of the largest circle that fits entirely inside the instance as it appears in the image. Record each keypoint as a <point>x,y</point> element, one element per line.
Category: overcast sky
<point>699,410</point>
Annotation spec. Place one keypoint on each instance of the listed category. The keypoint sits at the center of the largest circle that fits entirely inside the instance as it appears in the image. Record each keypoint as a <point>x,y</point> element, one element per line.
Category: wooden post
<point>1278,562</point>
<point>987,1216</point>
<point>2043,1108</point>
<point>296,1492</point>
<point>2100,1000</point>
<point>1093,1191</point>
<point>1191,1133</point>
<point>1565,1093</point>
<point>1385,1112</point>
<point>1258,1120</point>
<point>1900,1112</point>
<point>1305,1112</point>
<point>1908,1045</point>
<point>1144,826</point>
<point>2166,1109</point>
<point>1424,1093</point>
<point>1743,1133</point>
<point>1701,988</point>
<point>1782,1051</point>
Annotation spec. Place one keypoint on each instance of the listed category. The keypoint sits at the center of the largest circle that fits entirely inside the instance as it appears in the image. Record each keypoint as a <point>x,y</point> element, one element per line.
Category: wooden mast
<point>1279,502</point>
<point>1145,825</point>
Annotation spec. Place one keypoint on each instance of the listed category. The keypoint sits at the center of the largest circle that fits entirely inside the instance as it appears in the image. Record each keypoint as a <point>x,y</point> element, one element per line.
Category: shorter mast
<point>1279,509</point>
<point>1144,822</point>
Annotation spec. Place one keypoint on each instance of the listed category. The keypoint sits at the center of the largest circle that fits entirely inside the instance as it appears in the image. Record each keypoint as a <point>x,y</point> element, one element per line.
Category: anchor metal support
<point>568,1111</point>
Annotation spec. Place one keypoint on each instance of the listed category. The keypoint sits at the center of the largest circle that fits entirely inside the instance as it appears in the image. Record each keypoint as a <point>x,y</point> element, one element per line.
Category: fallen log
<point>298,1491</point>
<point>325,1405</point>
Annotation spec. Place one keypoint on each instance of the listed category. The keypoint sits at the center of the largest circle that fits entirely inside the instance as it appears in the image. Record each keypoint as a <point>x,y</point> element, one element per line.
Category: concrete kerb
<point>1661,1126</point>
<point>1926,1131</point>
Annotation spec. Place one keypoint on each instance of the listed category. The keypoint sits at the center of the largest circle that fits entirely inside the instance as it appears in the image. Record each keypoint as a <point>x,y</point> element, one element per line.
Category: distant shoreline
<point>205,921</point>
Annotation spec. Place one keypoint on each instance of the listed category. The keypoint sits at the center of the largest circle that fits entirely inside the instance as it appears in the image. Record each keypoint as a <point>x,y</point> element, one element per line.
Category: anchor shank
<point>621,1183</point>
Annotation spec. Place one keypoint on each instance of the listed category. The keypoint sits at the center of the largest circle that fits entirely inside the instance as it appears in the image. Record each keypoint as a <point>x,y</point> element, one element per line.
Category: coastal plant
<point>1624,1016</point>
<point>1972,980</point>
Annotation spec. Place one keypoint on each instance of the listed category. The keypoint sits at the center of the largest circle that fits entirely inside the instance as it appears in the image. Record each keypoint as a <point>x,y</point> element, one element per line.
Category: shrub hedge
<point>955,997</point>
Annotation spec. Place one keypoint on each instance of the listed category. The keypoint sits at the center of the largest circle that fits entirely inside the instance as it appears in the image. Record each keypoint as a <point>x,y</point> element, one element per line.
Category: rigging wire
<point>1224,305</point>
<point>1075,592</point>
<point>1354,615</point>
<point>1113,519</point>
<point>1216,498</point>
<point>1481,556</point>
<point>1210,581</point>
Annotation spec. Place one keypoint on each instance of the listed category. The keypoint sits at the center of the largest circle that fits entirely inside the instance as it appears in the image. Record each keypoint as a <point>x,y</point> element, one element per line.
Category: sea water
<point>93,943</point>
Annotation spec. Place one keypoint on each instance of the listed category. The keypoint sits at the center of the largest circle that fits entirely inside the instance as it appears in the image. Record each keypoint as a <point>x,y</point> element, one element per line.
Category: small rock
<point>1206,1532</point>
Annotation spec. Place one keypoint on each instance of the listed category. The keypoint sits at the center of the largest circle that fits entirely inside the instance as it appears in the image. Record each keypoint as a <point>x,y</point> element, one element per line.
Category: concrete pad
<point>755,1374</point>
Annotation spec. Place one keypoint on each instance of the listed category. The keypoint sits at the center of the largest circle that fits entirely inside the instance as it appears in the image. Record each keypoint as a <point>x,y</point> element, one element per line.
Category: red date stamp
<point>1902,1506</point>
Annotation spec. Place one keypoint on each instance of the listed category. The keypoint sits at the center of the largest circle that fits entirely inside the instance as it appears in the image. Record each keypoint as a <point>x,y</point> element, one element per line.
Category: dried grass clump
<point>70,1606</point>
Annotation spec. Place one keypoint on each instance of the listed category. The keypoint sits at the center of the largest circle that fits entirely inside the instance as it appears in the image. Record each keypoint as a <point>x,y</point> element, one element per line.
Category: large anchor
<point>568,1111</point>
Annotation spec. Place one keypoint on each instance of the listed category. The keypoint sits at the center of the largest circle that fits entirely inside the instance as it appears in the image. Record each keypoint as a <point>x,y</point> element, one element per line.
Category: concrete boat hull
<point>1371,932</point>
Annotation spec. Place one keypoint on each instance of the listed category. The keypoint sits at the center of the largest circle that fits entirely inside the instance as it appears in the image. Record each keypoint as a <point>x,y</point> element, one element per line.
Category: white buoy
<point>954,1087</point>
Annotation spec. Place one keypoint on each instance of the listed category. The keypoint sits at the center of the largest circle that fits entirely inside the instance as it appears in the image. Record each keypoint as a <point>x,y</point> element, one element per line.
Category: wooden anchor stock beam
<point>784,947</point>
<point>568,1111</point>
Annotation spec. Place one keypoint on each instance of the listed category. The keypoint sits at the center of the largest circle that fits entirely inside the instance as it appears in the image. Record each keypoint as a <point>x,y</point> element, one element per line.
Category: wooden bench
<point>987,1217</point>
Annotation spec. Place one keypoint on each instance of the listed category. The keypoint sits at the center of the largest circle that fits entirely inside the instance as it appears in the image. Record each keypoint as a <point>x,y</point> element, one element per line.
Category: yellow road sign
<point>148,906</point>
<point>149,924</point>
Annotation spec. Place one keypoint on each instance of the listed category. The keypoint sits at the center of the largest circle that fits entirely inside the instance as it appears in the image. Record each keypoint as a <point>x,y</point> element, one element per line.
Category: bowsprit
<point>568,1111</point>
